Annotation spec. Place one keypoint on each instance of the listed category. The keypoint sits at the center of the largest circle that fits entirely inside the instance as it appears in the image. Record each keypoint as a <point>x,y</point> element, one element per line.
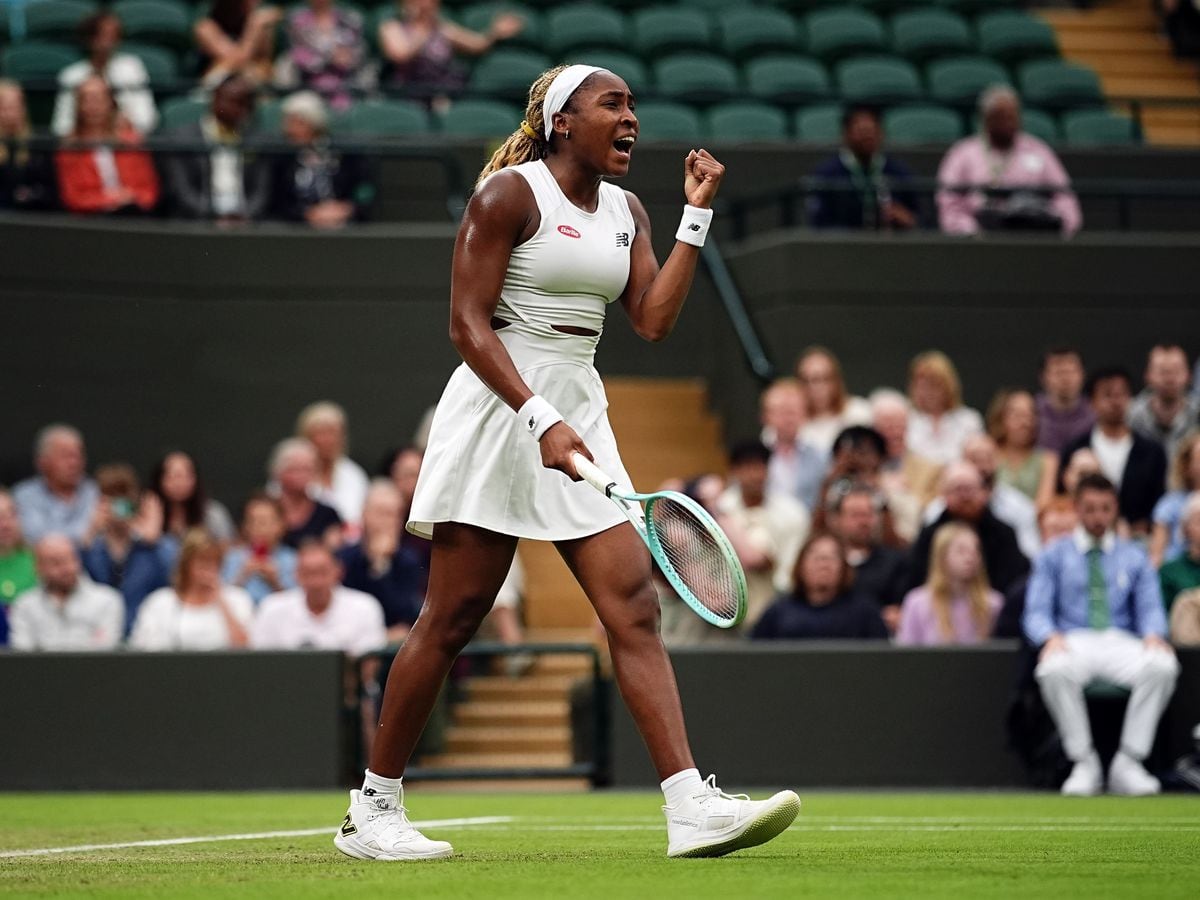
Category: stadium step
<point>554,760</point>
<point>508,739</point>
<point>518,713</point>
<point>534,687</point>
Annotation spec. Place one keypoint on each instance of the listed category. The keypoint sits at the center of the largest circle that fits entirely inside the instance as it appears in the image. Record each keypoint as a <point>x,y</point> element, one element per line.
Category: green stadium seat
<point>57,19</point>
<point>507,73</point>
<point>670,29</point>
<point>920,35</point>
<point>787,79</point>
<point>162,65</point>
<point>629,67</point>
<point>749,31</point>
<point>1041,125</point>
<point>1055,84</point>
<point>1098,128</point>
<point>844,31</point>
<point>584,25</point>
<point>663,121</point>
<point>481,118</point>
<point>819,124</point>
<point>971,8</point>
<point>166,22</point>
<point>268,118</point>
<point>742,121</point>
<point>878,80</point>
<point>922,125</point>
<point>696,78</point>
<point>180,111</point>
<point>1015,36</point>
<point>479,16</point>
<point>959,81</point>
<point>385,118</point>
<point>37,60</point>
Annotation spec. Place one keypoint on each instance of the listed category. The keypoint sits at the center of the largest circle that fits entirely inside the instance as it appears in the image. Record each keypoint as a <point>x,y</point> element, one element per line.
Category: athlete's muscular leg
<point>466,571</point>
<point>614,569</point>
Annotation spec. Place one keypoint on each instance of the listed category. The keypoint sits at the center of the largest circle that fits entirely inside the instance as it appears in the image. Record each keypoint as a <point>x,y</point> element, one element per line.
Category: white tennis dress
<point>481,466</point>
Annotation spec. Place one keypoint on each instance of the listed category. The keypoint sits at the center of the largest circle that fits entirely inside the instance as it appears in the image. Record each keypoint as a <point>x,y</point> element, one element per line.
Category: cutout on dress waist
<point>577,330</point>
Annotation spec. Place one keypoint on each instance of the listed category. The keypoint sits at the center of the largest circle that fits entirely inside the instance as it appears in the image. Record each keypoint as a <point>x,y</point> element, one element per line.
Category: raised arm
<point>653,297</point>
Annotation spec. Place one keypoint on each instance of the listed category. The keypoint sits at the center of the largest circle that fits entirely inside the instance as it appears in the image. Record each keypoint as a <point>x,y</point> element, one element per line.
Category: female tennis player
<point>545,245</point>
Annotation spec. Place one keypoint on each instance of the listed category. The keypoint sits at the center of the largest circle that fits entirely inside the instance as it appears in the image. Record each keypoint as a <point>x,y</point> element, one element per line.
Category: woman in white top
<point>198,612</point>
<point>938,424</point>
<point>830,407</point>
<point>545,245</point>
<point>341,482</point>
<point>125,74</point>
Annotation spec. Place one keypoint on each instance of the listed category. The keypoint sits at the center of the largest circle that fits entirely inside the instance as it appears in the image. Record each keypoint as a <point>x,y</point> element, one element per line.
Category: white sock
<point>377,784</point>
<point>681,785</point>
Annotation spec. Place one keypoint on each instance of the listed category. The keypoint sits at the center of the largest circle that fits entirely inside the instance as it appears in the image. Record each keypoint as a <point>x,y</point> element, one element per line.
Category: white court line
<point>1067,829</point>
<point>254,836</point>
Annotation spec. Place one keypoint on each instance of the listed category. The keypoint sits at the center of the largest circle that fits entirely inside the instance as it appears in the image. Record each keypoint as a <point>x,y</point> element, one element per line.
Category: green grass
<point>612,845</point>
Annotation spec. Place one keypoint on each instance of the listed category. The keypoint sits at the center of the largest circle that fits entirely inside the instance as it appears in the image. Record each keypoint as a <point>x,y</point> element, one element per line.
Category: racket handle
<point>591,473</point>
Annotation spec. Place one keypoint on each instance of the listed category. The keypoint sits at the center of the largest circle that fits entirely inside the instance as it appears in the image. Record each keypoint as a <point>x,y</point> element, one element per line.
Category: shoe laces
<point>711,792</point>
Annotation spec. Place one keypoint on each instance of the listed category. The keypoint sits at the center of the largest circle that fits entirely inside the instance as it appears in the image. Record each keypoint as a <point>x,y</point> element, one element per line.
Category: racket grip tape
<point>592,474</point>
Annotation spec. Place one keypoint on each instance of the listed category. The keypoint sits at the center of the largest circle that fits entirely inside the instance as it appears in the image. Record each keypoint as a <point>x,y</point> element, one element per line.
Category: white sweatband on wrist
<point>693,227</point>
<point>536,416</point>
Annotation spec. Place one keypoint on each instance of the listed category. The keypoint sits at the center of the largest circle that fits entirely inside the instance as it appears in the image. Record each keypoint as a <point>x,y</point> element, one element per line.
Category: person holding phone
<point>261,564</point>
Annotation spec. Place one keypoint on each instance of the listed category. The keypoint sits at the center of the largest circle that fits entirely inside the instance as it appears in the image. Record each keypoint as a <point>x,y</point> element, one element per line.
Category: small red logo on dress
<point>568,231</point>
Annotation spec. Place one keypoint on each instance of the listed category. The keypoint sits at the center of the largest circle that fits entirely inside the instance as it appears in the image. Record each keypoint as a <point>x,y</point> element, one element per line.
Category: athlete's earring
<point>567,135</point>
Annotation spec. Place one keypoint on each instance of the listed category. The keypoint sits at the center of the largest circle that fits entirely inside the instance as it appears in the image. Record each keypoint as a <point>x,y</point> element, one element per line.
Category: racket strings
<point>701,565</point>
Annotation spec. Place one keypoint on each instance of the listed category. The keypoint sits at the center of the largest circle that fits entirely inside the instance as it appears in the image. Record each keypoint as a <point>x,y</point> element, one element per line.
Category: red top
<point>82,189</point>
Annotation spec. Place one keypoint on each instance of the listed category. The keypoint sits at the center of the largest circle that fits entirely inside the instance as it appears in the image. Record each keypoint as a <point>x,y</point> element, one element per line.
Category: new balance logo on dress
<point>622,238</point>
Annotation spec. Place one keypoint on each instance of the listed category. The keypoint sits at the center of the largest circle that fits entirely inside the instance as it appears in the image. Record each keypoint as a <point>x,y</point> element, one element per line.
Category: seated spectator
<point>956,605</point>
<point>261,564</point>
<point>327,49</point>
<point>1185,619</point>
<point>26,173</point>
<point>880,571</point>
<point>766,529</point>
<point>822,604</point>
<point>938,423</point>
<point>65,611</point>
<point>125,74</point>
<point>858,455</point>
<point>1165,411</point>
<point>221,181</point>
<point>1013,425</point>
<point>403,467</point>
<point>1004,178</point>
<point>1011,506</point>
<point>797,468</point>
<point>317,184</point>
<point>1136,465</point>
<point>1082,462</point>
<point>237,37</point>
<point>199,612</point>
<point>831,407</point>
<point>1166,539</point>
<point>861,186</point>
<point>1056,519</point>
<point>1182,573</point>
<point>17,572</point>
<point>340,481</point>
<point>61,499</point>
<point>320,614</point>
<point>293,472</point>
<point>1063,412</point>
<point>177,484</point>
<point>1095,609</point>
<point>124,551</point>
<point>419,46</point>
<point>909,481</point>
<point>100,169</point>
<point>379,564</point>
<point>965,497</point>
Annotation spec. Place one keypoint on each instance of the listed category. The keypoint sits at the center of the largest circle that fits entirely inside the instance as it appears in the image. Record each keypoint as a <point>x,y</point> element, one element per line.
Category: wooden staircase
<point>1122,40</point>
<point>664,430</point>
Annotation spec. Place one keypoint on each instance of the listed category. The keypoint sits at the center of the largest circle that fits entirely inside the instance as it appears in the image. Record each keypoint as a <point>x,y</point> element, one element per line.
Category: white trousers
<point>1113,655</point>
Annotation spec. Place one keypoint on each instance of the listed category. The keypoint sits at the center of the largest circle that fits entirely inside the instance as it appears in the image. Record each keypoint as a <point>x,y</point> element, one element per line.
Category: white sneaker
<point>713,823</point>
<point>377,827</point>
<point>1129,777</point>
<point>1086,778</point>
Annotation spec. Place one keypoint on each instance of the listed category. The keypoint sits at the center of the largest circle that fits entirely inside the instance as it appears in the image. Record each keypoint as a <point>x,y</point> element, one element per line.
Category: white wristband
<point>693,227</point>
<point>536,416</point>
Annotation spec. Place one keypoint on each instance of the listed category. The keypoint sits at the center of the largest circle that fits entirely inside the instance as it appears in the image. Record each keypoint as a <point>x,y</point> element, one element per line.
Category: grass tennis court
<point>605,845</point>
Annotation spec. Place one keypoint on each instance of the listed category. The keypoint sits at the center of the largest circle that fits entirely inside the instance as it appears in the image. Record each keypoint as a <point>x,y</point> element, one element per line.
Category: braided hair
<point>527,143</point>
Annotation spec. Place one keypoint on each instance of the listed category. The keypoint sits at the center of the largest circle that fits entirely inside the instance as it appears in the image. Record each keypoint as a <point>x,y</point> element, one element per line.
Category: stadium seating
<point>35,60</point>
<point>923,34</point>
<point>959,81</point>
<point>57,19</point>
<point>663,121</point>
<point>584,25</point>
<point>662,30</point>
<point>922,125</point>
<point>819,124</point>
<point>1055,84</point>
<point>749,31</point>
<point>385,118</point>
<point>507,73</point>
<point>180,111</point>
<point>742,121</point>
<point>1011,37</point>
<point>837,33</point>
<point>787,79</point>
<point>161,64</point>
<point>165,22</point>
<point>479,16</point>
<point>1098,127</point>
<point>696,78</point>
<point>480,118</point>
<point>1041,125</point>
<point>629,67</point>
<point>878,79</point>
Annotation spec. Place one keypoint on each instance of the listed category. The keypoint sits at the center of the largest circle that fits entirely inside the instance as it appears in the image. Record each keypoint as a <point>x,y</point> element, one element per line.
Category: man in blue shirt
<point>1095,608</point>
<point>61,498</point>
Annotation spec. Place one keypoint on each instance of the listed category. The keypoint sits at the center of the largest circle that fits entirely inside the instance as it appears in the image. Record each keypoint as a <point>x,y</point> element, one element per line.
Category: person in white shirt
<point>124,73</point>
<point>830,407</point>
<point>320,613</point>
<point>199,612</point>
<point>66,611</point>
<point>939,424</point>
<point>341,482</point>
<point>797,468</point>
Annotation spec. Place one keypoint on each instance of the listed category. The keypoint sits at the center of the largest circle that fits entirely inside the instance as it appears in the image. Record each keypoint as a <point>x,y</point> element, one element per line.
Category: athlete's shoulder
<point>636,210</point>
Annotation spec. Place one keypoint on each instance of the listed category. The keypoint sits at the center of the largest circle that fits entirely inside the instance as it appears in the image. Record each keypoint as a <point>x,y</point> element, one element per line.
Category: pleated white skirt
<point>481,466</point>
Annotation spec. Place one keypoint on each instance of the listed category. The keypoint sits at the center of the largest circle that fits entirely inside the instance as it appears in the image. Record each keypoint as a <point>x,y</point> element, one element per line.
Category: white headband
<point>560,91</point>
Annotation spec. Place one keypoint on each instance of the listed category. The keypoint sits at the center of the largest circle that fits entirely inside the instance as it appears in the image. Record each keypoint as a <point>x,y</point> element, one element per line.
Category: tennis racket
<point>690,548</point>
